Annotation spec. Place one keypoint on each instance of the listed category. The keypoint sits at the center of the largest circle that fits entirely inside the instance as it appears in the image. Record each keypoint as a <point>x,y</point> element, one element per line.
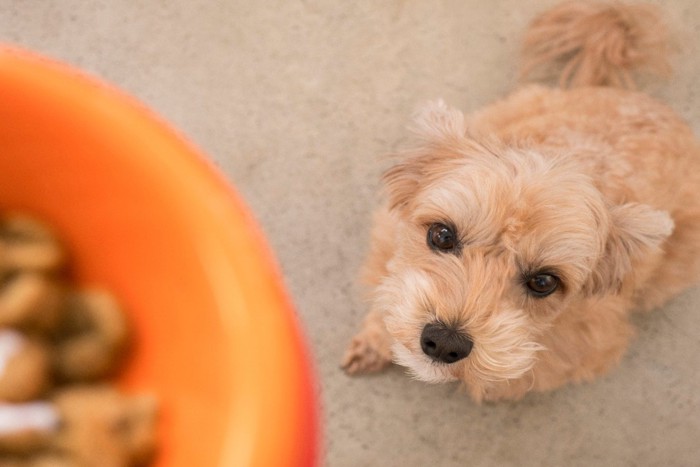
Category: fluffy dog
<point>515,242</point>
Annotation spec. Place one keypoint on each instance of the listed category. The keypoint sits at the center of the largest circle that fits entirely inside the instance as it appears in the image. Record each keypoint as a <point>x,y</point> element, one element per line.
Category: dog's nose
<point>444,344</point>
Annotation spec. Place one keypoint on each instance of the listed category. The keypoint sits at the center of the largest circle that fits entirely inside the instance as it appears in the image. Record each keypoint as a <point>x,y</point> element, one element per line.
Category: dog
<point>513,244</point>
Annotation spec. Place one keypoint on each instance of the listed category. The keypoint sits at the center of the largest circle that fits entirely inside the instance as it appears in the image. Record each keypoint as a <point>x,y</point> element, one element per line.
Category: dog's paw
<point>367,353</point>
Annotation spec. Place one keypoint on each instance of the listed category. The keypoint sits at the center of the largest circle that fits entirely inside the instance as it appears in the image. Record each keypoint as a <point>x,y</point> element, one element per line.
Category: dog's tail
<point>598,43</point>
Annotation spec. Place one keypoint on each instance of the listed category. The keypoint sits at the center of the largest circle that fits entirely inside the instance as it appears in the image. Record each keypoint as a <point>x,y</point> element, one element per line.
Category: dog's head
<point>491,244</point>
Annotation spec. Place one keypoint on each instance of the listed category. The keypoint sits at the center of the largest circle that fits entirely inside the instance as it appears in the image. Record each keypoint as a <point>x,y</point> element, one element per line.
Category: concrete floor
<point>296,101</point>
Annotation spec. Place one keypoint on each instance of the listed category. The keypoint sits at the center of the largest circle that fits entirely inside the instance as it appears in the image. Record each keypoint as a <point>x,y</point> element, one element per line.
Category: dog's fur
<point>594,182</point>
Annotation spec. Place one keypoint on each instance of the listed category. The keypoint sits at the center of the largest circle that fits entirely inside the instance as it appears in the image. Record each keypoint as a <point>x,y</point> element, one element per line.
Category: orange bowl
<point>145,215</point>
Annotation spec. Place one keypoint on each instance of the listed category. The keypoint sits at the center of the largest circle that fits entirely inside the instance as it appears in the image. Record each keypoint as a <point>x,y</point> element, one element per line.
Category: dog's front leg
<point>370,349</point>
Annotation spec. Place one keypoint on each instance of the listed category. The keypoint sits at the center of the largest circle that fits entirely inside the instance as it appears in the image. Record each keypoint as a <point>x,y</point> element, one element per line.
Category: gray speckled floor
<point>296,101</point>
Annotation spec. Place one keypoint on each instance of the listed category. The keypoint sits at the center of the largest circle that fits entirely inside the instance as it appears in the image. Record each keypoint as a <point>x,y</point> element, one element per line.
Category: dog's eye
<point>442,238</point>
<point>541,285</point>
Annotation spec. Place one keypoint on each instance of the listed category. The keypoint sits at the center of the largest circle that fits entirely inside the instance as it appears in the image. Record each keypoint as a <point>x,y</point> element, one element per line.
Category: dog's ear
<point>441,131</point>
<point>402,181</point>
<point>636,230</point>
<point>438,124</point>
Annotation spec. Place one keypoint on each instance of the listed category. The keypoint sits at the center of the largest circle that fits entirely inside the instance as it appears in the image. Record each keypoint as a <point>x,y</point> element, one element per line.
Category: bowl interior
<point>144,215</point>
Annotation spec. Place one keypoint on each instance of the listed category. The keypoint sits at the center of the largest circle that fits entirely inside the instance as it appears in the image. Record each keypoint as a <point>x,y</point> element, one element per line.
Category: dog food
<point>59,343</point>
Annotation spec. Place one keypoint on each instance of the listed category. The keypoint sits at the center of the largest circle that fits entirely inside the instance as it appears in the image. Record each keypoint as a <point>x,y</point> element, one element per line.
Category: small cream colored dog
<point>515,242</point>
